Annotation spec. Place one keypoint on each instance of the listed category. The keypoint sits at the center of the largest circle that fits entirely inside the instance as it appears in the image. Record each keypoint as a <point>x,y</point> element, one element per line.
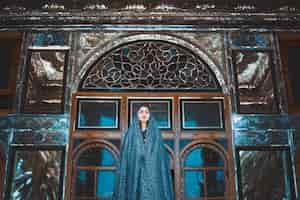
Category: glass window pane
<point>7,51</point>
<point>250,40</point>
<point>198,114</point>
<point>96,157</point>
<point>98,114</point>
<point>50,38</point>
<point>265,175</point>
<point>255,82</point>
<point>6,102</point>
<point>161,110</point>
<point>294,71</point>
<point>36,175</point>
<point>105,184</point>
<point>215,183</point>
<point>85,183</point>
<point>193,184</point>
<point>203,157</point>
<point>45,82</point>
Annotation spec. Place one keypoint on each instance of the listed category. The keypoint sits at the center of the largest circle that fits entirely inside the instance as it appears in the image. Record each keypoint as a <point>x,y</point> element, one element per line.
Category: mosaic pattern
<point>255,82</point>
<point>261,138</point>
<point>86,42</point>
<point>150,65</point>
<point>257,170</point>
<point>251,40</point>
<point>45,82</point>
<point>261,130</point>
<point>34,129</point>
<point>211,43</point>
<point>37,174</point>
<point>261,122</point>
<point>230,5</point>
<point>50,38</point>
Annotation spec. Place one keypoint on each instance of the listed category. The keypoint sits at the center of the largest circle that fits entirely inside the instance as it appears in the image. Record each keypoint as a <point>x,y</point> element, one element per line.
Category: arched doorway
<point>183,93</point>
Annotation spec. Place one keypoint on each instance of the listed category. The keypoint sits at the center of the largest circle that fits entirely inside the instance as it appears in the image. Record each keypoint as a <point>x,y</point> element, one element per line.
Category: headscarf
<point>148,161</point>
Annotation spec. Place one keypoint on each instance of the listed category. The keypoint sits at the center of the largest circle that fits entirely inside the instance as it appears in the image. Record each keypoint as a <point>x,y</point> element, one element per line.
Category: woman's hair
<point>145,105</point>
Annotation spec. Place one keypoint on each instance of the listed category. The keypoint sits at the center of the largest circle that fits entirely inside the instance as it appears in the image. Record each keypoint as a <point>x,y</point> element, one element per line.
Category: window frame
<point>81,149</point>
<point>214,147</point>
<point>285,149</point>
<point>169,101</point>
<point>31,50</point>
<point>192,100</point>
<point>83,137</point>
<point>236,81</point>
<point>286,41</point>
<point>12,155</point>
<point>92,99</point>
<point>10,91</point>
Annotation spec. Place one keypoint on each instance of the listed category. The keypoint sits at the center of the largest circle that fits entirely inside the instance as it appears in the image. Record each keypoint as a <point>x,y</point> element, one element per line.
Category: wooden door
<point>196,128</point>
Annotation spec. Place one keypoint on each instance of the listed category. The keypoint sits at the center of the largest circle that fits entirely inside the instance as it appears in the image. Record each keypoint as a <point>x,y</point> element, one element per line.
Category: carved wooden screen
<point>150,65</point>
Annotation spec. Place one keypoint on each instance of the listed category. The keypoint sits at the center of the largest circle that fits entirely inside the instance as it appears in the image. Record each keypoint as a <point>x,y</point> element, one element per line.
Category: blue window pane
<point>160,109</point>
<point>183,143</point>
<point>203,157</point>
<point>202,115</point>
<point>169,143</point>
<point>47,38</point>
<point>241,39</point>
<point>105,184</point>
<point>215,183</point>
<point>96,157</point>
<point>98,114</point>
<point>193,184</point>
<point>194,158</point>
<point>44,88</point>
<point>85,183</point>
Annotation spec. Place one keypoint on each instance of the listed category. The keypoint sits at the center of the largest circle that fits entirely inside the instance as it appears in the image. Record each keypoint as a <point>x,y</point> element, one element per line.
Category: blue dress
<point>143,171</point>
<point>143,132</point>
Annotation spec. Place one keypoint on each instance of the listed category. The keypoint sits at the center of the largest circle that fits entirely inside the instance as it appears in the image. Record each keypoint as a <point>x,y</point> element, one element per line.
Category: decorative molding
<point>150,65</point>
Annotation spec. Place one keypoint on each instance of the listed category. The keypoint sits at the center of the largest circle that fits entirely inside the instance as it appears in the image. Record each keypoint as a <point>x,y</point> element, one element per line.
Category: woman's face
<point>143,114</point>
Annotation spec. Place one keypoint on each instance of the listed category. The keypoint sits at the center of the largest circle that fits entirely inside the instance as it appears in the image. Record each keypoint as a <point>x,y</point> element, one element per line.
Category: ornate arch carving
<point>177,63</point>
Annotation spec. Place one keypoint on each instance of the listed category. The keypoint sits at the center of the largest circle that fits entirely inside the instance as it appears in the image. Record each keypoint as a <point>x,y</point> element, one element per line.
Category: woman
<point>143,171</point>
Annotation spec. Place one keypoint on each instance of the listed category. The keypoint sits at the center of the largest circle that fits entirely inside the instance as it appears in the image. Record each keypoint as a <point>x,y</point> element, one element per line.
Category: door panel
<point>195,128</point>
